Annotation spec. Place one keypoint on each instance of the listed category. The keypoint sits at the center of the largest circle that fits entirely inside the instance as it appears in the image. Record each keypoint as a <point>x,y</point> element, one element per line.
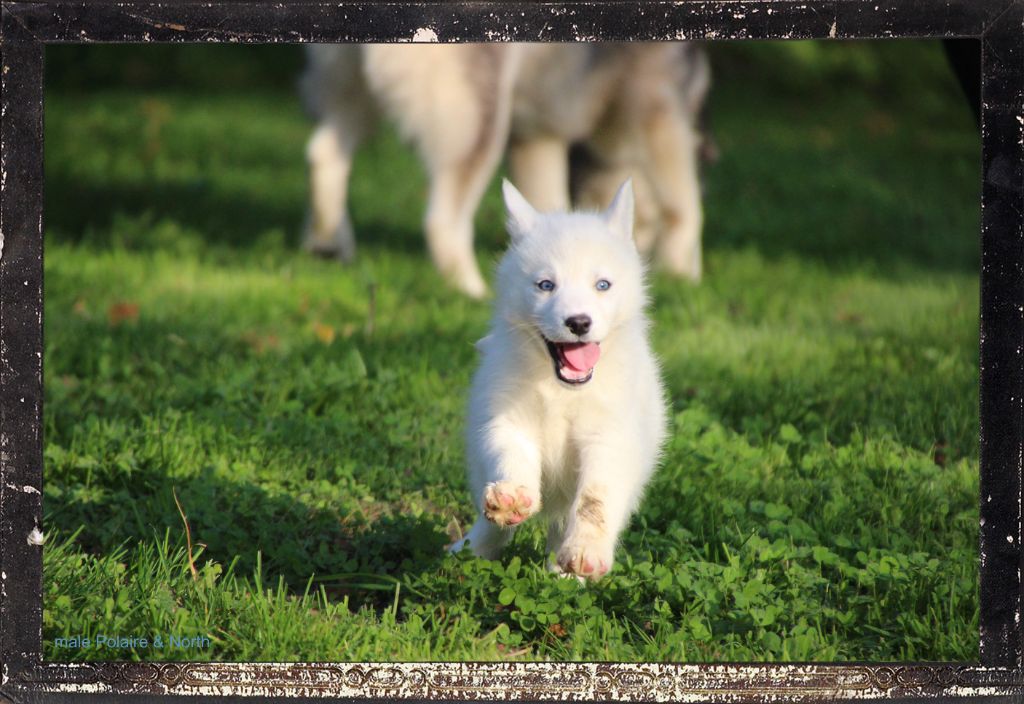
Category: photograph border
<point>998,25</point>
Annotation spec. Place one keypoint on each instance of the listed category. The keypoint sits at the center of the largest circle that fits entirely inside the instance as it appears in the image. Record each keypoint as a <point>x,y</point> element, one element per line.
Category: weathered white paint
<point>35,537</point>
<point>27,489</point>
<point>425,34</point>
<point>536,681</point>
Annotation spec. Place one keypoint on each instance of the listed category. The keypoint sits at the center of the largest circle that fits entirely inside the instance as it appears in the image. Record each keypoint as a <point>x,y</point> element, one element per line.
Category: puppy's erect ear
<point>521,215</point>
<point>619,215</point>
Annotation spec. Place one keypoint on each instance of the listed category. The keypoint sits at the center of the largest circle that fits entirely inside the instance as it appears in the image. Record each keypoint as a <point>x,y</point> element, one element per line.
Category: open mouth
<point>574,361</point>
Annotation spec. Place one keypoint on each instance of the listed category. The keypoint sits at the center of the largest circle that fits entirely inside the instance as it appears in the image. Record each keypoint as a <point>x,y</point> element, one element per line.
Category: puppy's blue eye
<point>546,285</point>
<point>604,285</point>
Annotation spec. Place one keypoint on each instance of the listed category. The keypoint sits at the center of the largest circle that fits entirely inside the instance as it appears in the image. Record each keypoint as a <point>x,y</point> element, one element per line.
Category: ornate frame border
<point>26,26</point>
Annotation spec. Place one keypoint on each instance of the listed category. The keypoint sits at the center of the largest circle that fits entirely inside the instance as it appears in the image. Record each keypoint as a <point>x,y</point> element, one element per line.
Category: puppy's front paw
<point>586,561</point>
<point>506,504</point>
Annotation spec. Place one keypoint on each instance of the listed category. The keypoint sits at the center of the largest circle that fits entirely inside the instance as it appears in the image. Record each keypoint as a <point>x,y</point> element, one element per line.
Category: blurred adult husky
<point>633,106</point>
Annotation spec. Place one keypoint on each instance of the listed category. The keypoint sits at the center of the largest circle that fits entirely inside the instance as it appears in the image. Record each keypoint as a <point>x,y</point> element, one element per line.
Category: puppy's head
<point>571,280</point>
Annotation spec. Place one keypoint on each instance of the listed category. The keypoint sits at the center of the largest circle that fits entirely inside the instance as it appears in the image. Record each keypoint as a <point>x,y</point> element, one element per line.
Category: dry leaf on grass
<point>260,342</point>
<point>123,312</point>
<point>325,333</point>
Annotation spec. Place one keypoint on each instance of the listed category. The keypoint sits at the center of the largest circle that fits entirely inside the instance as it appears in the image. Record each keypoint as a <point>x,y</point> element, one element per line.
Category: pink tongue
<point>581,356</point>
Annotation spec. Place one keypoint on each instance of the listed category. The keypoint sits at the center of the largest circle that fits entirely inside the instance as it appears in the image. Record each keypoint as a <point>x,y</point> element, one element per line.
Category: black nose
<point>579,324</point>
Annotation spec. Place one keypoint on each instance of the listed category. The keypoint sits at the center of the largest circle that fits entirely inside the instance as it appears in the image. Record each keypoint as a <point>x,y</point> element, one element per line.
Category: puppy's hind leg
<point>485,539</point>
<point>555,538</point>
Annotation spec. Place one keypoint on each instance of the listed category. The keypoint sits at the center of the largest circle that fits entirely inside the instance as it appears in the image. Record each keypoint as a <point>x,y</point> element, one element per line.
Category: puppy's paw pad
<point>506,504</point>
<point>585,562</point>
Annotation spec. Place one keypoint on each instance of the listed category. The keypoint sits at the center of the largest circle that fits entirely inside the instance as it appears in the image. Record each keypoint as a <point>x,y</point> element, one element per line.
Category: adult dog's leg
<point>335,91</point>
<point>329,155</point>
<point>458,180</point>
<point>596,183</point>
<point>453,101</point>
<point>672,147</point>
<point>455,192</point>
<point>540,170</point>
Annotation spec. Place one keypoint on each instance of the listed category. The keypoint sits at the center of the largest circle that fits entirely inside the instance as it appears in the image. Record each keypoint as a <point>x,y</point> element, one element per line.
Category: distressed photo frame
<point>996,25</point>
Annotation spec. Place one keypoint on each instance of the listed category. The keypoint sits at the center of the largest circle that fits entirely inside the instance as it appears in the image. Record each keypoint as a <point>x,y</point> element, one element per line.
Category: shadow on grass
<point>247,523</point>
<point>883,214</point>
<point>319,476</point>
<point>81,212</point>
<point>88,214</point>
<point>837,219</point>
<point>841,241</point>
<point>78,212</point>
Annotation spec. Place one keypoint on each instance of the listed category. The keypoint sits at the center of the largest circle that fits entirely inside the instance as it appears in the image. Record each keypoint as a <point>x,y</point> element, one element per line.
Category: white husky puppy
<point>566,411</point>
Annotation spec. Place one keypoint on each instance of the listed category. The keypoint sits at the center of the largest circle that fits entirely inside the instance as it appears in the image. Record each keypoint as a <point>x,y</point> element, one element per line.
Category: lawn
<point>818,499</point>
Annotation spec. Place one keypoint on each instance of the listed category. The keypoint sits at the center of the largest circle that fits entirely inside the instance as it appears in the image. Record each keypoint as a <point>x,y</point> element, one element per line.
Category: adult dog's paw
<point>506,504</point>
<point>586,561</point>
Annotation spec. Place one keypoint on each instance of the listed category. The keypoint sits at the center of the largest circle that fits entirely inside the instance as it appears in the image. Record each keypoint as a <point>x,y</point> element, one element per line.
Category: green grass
<point>817,500</point>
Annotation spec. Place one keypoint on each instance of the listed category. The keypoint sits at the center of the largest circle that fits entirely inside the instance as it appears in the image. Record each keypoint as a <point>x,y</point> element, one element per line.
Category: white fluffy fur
<point>577,455</point>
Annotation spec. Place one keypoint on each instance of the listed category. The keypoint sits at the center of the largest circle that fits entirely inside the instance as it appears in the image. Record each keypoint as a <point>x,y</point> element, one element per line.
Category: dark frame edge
<point>1002,340</point>
<point>21,301</point>
<point>299,21</point>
